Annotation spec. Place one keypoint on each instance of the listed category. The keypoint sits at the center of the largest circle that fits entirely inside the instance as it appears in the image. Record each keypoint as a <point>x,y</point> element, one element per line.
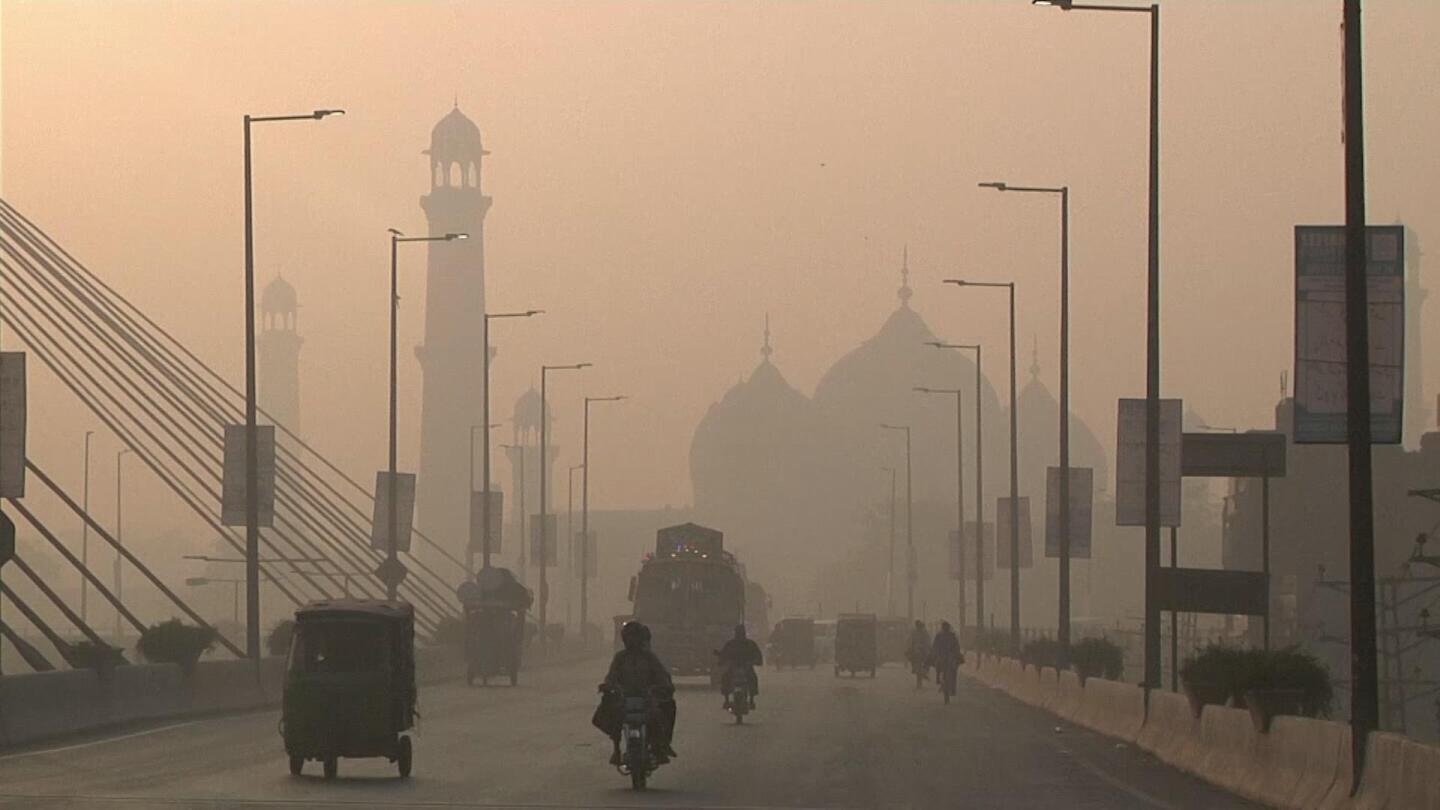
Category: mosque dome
<point>1039,412</point>
<point>455,136</point>
<point>526,415</point>
<point>278,296</point>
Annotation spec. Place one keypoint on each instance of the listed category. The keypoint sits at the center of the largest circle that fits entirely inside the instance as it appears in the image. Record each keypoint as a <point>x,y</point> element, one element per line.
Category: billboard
<point>1130,463</point>
<point>1320,359</point>
<point>404,516</point>
<point>1233,455</point>
<point>1082,499</point>
<point>232,488</point>
<point>12,424</point>
<point>1002,533</point>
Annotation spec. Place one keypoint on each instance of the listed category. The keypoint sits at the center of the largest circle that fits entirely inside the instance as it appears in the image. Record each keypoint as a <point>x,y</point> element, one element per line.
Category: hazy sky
<point>666,173</point>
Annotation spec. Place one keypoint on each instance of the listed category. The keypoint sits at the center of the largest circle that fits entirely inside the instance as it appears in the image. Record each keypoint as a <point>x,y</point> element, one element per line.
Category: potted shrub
<point>174,642</point>
<point>100,657</point>
<point>278,642</point>
<point>1210,676</point>
<point>1040,653</point>
<point>1097,658</point>
<point>1288,681</point>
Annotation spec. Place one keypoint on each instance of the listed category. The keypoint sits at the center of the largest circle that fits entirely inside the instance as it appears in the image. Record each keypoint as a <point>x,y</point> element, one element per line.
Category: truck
<point>690,592</point>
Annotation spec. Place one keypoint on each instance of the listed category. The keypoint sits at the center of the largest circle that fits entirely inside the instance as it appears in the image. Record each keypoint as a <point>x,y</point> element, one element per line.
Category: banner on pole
<point>1320,345</point>
<point>1233,455</point>
<point>404,515</point>
<point>232,488</point>
<point>1130,463</point>
<point>12,424</point>
<point>477,521</point>
<point>1002,533</point>
<point>1082,499</point>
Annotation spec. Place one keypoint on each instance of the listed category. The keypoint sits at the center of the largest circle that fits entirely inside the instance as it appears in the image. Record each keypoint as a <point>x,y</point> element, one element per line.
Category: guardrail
<point>1301,763</point>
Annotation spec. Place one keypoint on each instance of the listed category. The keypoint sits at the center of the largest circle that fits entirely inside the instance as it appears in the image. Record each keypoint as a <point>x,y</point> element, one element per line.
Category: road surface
<point>816,741</point>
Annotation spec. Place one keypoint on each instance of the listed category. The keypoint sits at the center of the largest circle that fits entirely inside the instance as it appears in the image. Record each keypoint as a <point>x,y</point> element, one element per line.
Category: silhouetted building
<point>450,358</point>
<point>278,354</point>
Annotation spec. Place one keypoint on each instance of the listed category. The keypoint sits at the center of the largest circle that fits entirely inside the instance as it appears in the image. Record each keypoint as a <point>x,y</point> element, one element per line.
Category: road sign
<point>232,489</point>
<point>477,521</point>
<point>404,516</point>
<point>1082,498</point>
<point>12,424</point>
<point>1203,590</point>
<point>551,553</point>
<point>391,572</point>
<point>7,538</point>
<point>1320,345</point>
<point>1002,533</point>
<point>1233,455</point>
<point>1130,463</point>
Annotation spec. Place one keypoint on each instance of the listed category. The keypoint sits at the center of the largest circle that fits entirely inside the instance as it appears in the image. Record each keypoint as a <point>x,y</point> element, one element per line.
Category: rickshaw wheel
<point>297,764</point>
<point>404,758</point>
<point>332,767</point>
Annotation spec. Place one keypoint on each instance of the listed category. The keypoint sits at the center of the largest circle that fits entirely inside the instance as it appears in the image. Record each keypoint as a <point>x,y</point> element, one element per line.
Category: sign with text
<point>1082,499</point>
<point>477,521</point>
<point>232,489</point>
<point>1002,533</point>
<point>1130,463</point>
<point>551,552</point>
<point>404,515</point>
<point>1233,455</point>
<point>12,424</point>
<point>1320,357</point>
<point>1204,590</point>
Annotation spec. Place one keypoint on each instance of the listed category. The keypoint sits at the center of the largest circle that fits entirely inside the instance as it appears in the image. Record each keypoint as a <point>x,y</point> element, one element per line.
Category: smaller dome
<point>455,136</point>
<point>278,296</point>
<point>526,415</point>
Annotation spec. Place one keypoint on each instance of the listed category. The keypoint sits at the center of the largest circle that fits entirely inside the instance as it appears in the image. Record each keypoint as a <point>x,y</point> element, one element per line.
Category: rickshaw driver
<point>636,669</point>
<point>740,654</point>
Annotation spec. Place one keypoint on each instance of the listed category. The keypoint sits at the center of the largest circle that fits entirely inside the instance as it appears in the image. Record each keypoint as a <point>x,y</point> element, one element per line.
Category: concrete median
<point>1112,708</point>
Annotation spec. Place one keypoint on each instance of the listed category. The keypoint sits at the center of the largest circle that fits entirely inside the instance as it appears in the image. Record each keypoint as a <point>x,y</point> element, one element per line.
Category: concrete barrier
<point>1112,708</point>
<point>1169,727</point>
<point>142,692</point>
<point>1338,797</point>
<point>44,704</point>
<point>1069,693</point>
<point>1312,750</point>
<point>1399,773</point>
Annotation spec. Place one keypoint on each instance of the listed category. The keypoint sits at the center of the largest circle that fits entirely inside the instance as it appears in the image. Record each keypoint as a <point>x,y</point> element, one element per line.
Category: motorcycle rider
<point>743,655</point>
<point>919,652</point>
<point>636,669</point>
<point>945,655</point>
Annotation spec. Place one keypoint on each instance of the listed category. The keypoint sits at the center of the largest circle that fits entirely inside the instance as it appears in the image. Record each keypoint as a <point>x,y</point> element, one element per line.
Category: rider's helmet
<point>919,625</point>
<point>635,635</point>
<point>740,631</point>
<point>945,627</point>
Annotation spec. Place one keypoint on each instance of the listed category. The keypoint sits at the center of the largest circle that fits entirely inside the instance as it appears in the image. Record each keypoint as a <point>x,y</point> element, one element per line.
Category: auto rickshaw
<point>792,644</point>
<point>350,683</point>
<point>494,607</point>
<point>855,644</point>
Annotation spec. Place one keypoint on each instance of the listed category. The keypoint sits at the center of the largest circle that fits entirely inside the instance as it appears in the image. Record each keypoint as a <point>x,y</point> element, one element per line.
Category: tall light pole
<point>1062,634</point>
<point>544,506</point>
<point>85,532</point>
<point>1014,467</point>
<point>1152,338</point>
<point>979,487</point>
<point>959,488</point>
<point>909,525</point>
<point>890,559</point>
<point>570,538</point>
<point>392,582</point>
<point>519,505</point>
<point>252,448</point>
<point>484,507</point>
<point>119,538</point>
<point>485,453</point>
<point>585,517</point>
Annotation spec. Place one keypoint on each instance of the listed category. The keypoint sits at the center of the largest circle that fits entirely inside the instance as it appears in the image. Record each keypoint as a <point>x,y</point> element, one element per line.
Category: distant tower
<point>450,358</point>
<point>279,354</point>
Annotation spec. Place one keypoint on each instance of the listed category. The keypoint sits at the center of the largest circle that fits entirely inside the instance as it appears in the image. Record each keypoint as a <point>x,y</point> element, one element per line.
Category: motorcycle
<point>738,700</point>
<point>637,759</point>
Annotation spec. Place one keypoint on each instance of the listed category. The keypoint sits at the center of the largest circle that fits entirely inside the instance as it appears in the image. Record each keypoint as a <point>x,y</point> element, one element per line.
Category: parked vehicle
<point>825,640</point>
<point>350,684</point>
<point>855,644</point>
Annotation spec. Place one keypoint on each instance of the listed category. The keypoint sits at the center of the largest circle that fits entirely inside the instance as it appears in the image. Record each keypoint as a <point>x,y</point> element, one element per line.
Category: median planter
<point>1266,704</point>
<point>1201,695</point>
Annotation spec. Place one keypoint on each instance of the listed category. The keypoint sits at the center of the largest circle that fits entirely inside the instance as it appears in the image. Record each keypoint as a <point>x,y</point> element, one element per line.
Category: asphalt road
<point>816,741</point>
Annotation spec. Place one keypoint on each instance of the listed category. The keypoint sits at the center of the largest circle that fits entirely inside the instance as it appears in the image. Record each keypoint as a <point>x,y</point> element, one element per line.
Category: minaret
<point>905,292</point>
<point>765,350</point>
<point>278,351</point>
<point>450,358</point>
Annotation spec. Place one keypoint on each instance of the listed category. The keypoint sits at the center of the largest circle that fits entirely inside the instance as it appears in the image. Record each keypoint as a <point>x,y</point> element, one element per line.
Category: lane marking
<point>106,741</point>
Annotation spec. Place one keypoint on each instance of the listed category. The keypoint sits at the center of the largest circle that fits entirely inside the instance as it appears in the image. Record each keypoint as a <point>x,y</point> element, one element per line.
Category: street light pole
<point>1014,469</point>
<point>85,533</point>
<point>544,506</point>
<point>392,582</point>
<point>485,453</point>
<point>570,538</point>
<point>959,490</point>
<point>909,525</point>
<point>979,488</point>
<point>890,559</point>
<point>252,449</point>
<point>1152,338</point>
<point>585,516</point>
<point>1062,635</point>
<point>119,540</point>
